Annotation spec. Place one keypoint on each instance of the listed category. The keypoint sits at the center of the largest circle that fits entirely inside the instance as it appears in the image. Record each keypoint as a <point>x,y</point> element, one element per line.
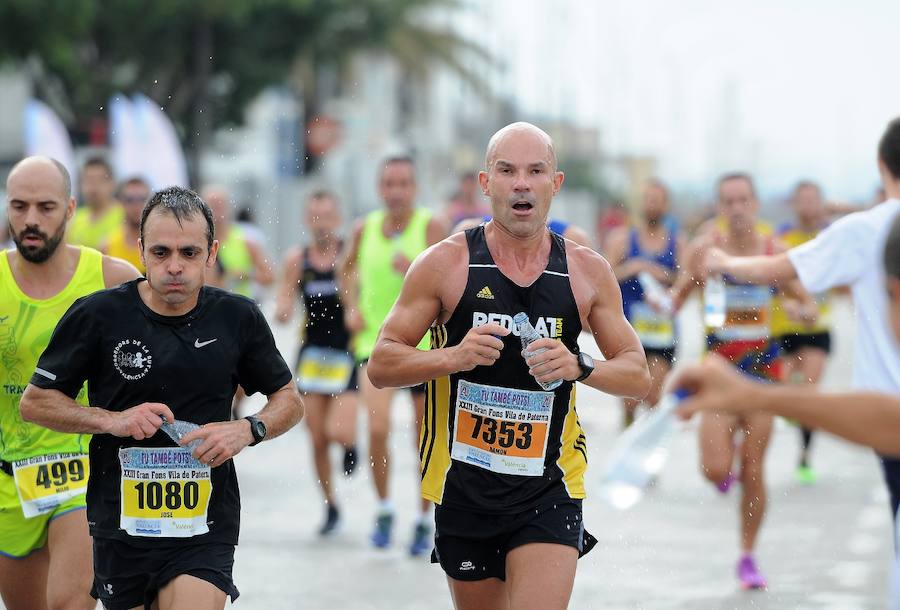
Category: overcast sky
<point>784,88</point>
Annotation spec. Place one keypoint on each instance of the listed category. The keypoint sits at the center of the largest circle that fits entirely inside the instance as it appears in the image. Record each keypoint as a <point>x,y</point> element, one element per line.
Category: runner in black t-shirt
<point>165,519</point>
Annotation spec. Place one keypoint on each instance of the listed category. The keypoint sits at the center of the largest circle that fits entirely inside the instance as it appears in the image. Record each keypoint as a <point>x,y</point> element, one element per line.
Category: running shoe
<point>381,537</point>
<point>725,485</point>
<point>422,541</point>
<point>749,574</point>
<point>332,519</point>
<point>806,475</point>
<point>349,460</point>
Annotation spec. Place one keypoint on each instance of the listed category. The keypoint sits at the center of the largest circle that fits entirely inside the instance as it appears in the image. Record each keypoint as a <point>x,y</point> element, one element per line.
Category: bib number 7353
<point>503,433</point>
<point>503,430</point>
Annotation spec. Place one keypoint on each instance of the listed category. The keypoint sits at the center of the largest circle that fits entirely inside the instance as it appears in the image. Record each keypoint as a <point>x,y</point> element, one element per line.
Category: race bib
<point>655,330</point>
<point>165,492</point>
<point>46,481</point>
<point>503,430</point>
<point>747,312</point>
<point>324,370</point>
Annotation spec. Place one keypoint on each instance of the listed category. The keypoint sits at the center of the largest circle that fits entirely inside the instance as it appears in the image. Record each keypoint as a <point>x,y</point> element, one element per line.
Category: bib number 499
<point>504,433</point>
<point>57,474</point>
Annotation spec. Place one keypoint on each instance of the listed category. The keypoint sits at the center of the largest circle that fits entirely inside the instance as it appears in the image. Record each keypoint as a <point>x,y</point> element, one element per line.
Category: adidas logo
<point>485,293</point>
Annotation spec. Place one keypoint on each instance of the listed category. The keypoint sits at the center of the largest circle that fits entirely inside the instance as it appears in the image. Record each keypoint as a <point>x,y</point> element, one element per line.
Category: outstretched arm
<point>866,418</point>
<point>760,270</point>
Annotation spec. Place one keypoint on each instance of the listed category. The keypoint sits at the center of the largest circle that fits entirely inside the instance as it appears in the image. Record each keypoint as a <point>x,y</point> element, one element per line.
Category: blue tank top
<point>558,226</point>
<point>632,292</point>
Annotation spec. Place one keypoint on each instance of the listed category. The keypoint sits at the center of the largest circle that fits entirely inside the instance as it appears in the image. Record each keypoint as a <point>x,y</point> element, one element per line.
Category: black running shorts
<point>128,577</point>
<point>473,546</point>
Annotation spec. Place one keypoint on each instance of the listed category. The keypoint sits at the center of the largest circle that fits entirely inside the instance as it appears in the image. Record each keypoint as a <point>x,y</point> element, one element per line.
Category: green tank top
<point>236,260</point>
<point>379,283</point>
<point>25,328</point>
<point>85,231</point>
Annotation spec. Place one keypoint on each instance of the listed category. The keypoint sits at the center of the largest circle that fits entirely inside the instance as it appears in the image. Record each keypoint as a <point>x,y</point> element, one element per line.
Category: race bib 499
<point>44,482</point>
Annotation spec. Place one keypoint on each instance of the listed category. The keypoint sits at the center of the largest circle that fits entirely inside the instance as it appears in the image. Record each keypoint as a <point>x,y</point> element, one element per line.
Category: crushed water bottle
<point>178,429</point>
<point>654,293</point>
<point>639,455</point>
<point>714,301</point>
<point>529,335</point>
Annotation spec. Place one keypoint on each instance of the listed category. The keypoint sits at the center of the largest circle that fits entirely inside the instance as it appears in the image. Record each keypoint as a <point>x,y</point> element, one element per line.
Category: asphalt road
<point>822,546</point>
<point>826,546</point>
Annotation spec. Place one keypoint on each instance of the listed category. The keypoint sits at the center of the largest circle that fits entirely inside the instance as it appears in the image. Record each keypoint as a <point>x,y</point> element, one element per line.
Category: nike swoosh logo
<point>199,344</point>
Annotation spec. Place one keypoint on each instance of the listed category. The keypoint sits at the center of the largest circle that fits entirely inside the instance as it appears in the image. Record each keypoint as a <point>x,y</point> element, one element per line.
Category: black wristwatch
<point>257,429</point>
<point>587,365</point>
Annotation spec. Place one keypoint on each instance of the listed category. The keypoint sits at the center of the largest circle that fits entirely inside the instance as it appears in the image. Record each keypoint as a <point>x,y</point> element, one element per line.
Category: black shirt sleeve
<point>261,367</point>
<point>65,363</point>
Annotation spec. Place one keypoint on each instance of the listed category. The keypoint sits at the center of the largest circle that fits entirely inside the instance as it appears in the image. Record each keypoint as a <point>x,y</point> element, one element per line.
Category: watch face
<point>259,429</point>
<point>586,360</point>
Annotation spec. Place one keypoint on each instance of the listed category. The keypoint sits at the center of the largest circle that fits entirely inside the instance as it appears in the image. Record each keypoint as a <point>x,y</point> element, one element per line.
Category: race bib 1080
<point>165,492</point>
<point>503,430</point>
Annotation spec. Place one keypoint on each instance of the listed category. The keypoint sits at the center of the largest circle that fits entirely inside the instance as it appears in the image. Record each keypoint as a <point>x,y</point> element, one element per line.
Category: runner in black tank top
<point>325,372</point>
<point>549,452</point>
<point>502,458</point>
<point>324,313</point>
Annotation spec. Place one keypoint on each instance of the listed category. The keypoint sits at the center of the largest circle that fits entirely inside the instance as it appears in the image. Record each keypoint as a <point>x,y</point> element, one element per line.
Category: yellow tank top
<point>119,247</point>
<point>379,283</point>
<point>234,254</point>
<point>791,236</point>
<point>85,231</point>
<point>25,328</point>
<point>762,227</point>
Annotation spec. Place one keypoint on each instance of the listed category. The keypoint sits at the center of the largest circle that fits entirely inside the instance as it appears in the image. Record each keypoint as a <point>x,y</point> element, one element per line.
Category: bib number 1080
<point>57,474</point>
<point>504,433</point>
<point>173,495</point>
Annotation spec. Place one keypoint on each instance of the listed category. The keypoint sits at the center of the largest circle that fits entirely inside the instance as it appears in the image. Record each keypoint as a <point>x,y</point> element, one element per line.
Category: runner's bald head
<point>35,162</point>
<point>518,128</point>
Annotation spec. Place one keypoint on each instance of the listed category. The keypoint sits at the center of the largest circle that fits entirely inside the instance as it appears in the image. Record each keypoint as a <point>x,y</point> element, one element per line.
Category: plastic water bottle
<point>654,293</point>
<point>639,454</point>
<point>178,429</point>
<point>529,335</point>
<point>714,301</point>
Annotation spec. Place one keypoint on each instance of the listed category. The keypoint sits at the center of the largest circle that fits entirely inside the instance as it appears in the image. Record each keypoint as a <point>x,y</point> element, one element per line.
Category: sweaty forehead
<point>162,228</point>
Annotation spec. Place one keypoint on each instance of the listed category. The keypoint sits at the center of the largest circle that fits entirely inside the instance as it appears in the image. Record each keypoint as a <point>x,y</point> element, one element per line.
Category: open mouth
<point>522,206</point>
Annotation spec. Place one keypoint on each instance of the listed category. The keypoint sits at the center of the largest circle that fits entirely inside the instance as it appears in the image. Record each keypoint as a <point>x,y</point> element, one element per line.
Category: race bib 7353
<point>503,430</point>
